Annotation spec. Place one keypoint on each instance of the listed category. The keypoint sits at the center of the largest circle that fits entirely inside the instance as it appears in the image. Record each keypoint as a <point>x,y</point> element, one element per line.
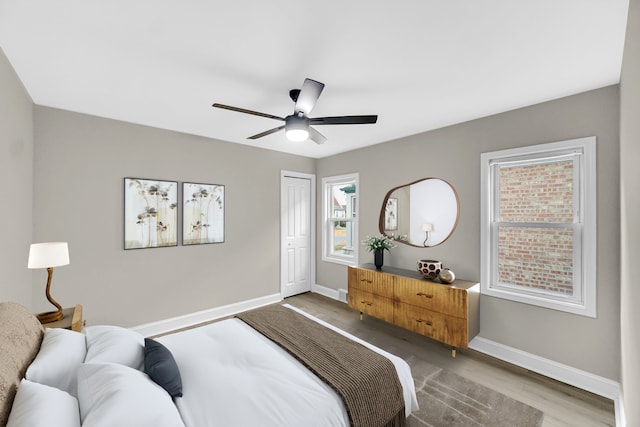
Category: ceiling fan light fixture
<point>297,135</point>
<point>297,128</point>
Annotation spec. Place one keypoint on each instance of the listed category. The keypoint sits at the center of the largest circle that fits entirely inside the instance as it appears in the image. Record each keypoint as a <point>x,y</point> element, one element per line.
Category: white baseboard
<point>621,420</point>
<point>552,369</point>
<point>174,323</point>
<point>327,292</point>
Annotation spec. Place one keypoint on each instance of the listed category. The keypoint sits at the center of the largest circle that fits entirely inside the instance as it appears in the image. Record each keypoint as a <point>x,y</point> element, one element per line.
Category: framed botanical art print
<point>202,213</point>
<point>150,213</point>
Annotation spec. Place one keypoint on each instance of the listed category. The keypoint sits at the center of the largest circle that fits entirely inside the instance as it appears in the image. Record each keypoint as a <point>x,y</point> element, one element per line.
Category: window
<point>340,214</point>
<point>539,225</point>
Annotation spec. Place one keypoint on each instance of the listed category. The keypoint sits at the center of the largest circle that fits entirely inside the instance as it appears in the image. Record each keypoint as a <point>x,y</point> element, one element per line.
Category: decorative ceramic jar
<point>430,269</point>
<point>446,276</point>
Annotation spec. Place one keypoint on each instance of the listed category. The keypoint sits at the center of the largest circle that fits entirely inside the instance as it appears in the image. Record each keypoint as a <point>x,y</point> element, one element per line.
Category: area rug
<point>447,400</point>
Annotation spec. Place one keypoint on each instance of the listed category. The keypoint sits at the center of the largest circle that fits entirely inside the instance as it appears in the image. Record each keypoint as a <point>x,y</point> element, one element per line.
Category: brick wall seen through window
<point>533,257</point>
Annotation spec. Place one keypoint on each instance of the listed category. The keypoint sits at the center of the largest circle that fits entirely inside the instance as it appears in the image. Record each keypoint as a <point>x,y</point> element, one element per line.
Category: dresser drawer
<point>432,296</point>
<point>372,304</point>
<point>441,327</point>
<point>375,282</point>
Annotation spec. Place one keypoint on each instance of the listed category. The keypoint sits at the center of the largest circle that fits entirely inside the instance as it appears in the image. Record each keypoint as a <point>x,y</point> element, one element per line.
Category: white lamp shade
<point>51,254</point>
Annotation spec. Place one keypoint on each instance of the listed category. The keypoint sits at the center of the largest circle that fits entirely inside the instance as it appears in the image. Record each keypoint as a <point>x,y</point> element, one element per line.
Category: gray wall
<point>453,153</point>
<point>79,165</point>
<point>16,172</point>
<point>630,215</point>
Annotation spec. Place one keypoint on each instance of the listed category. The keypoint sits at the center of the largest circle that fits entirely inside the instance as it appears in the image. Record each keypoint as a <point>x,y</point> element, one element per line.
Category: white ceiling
<point>418,64</point>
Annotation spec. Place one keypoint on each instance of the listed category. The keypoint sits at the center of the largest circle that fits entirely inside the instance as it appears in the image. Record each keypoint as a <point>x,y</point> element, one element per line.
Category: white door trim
<point>313,227</point>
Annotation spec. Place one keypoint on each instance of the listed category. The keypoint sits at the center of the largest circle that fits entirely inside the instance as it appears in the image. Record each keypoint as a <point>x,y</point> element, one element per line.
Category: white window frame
<point>328,219</point>
<point>583,301</point>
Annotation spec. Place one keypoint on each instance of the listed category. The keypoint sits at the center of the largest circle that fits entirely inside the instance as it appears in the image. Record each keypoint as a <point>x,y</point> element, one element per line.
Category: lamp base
<point>52,316</point>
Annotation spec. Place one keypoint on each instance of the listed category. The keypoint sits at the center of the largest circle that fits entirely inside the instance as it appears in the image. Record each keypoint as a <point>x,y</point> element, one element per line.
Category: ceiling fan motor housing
<point>297,127</point>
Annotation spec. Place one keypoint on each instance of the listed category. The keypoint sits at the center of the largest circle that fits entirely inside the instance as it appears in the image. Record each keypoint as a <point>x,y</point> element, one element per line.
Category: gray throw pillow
<point>161,367</point>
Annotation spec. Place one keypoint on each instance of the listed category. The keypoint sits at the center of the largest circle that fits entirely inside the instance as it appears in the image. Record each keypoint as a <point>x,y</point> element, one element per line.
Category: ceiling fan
<point>296,126</point>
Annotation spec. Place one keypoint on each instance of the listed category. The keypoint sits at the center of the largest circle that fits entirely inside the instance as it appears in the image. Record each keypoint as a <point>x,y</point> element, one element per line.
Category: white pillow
<point>56,364</point>
<point>116,345</point>
<point>38,405</point>
<point>116,395</point>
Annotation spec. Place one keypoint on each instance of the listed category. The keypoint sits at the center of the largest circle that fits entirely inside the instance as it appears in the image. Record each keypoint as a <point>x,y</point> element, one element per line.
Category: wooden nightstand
<point>72,319</point>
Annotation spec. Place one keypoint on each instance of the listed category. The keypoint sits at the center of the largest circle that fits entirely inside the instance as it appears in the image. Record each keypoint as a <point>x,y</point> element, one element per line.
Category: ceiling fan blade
<point>316,136</point>
<point>243,110</point>
<point>309,94</point>
<point>344,120</point>
<point>266,132</point>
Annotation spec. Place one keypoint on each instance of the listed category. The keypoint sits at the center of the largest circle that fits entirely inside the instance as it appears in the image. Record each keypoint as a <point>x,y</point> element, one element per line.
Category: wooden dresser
<point>446,313</point>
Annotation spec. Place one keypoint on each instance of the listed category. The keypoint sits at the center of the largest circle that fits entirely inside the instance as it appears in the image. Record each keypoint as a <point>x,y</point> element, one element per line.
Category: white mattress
<point>234,376</point>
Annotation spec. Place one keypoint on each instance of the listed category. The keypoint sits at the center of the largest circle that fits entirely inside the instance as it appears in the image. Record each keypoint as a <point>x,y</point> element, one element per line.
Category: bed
<point>225,373</point>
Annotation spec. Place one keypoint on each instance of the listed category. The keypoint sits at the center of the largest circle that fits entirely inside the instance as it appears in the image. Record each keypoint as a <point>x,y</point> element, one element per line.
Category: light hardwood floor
<point>562,404</point>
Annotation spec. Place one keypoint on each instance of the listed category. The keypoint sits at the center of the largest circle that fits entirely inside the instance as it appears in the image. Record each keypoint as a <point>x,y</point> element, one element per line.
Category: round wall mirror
<point>422,213</point>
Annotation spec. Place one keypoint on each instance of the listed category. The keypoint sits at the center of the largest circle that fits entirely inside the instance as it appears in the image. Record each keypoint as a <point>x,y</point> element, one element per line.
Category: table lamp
<point>49,255</point>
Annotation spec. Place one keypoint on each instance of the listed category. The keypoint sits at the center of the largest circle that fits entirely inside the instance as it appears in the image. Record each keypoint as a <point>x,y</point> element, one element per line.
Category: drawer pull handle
<point>366,303</point>
<point>365,280</point>
<point>420,294</point>
<point>426,322</point>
